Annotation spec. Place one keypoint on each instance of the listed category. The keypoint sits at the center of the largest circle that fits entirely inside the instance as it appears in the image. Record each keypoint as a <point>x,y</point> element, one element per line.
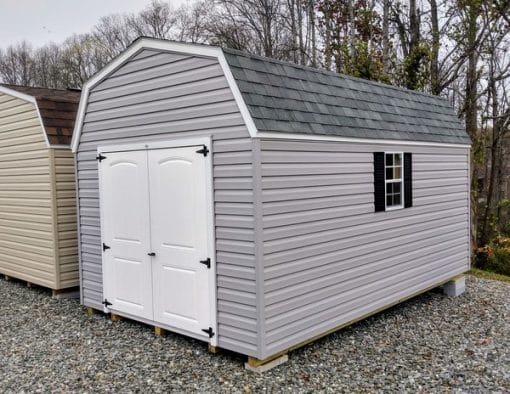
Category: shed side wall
<point>329,258</point>
<point>26,226</point>
<point>158,96</point>
<point>65,194</point>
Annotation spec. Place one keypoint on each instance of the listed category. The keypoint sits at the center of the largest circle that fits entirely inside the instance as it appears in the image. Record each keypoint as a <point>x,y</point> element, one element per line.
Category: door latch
<point>152,254</point>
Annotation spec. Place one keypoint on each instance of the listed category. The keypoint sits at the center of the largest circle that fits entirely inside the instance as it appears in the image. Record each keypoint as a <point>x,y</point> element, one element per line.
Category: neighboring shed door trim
<point>152,152</point>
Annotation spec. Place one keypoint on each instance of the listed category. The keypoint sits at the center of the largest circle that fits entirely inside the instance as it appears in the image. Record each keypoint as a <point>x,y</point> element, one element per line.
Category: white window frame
<point>401,181</point>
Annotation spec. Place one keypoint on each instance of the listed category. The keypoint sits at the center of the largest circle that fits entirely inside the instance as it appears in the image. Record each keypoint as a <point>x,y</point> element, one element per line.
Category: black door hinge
<point>204,151</point>
<point>105,247</point>
<point>106,303</point>
<point>100,157</point>
<point>209,331</point>
<point>206,262</point>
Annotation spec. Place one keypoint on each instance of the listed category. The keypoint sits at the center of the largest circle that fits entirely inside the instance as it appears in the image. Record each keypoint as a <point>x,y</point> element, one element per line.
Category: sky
<point>42,21</point>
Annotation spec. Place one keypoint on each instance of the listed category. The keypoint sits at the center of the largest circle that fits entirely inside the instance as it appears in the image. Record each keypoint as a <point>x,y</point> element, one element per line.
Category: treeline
<point>458,49</point>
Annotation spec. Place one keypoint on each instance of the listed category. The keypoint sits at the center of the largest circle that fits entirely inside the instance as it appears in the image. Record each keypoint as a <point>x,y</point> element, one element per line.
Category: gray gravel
<point>431,343</point>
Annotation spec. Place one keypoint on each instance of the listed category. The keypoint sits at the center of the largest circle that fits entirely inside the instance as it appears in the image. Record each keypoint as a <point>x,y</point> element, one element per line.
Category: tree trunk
<point>386,37</point>
<point>435,83</point>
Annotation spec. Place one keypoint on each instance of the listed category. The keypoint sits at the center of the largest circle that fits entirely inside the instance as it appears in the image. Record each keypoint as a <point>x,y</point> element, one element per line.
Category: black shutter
<point>379,189</point>
<point>408,180</point>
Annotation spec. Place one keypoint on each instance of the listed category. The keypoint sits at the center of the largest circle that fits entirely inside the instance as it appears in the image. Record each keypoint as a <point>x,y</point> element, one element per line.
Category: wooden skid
<point>159,332</point>
<point>260,366</point>
<point>115,317</point>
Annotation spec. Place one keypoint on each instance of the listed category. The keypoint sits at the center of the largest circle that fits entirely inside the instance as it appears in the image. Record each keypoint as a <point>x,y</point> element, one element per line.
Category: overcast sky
<point>42,21</point>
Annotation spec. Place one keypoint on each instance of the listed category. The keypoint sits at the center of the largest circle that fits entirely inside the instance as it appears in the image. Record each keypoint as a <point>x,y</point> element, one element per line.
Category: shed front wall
<point>26,206</point>
<point>160,96</point>
<point>328,258</point>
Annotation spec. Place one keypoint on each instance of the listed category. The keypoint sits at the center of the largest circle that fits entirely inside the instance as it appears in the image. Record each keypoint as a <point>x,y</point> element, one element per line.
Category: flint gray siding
<point>328,258</point>
<point>158,96</point>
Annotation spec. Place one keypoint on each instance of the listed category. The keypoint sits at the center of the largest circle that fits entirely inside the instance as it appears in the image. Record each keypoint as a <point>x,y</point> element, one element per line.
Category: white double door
<point>154,221</point>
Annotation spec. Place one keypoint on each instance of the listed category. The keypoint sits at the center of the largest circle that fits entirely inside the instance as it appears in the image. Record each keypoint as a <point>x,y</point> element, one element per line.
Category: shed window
<point>392,180</point>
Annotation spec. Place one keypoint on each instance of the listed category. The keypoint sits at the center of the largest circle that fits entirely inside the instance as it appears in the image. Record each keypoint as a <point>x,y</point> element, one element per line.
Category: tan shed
<point>38,241</point>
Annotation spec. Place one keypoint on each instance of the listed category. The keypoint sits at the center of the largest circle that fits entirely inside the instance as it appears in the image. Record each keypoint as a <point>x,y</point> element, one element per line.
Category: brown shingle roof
<point>58,110</point>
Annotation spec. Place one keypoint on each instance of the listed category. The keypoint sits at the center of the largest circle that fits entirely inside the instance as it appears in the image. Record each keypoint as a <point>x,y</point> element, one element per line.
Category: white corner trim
<point>332,138</point>
<point>148,43</point>
<point>32,100</point>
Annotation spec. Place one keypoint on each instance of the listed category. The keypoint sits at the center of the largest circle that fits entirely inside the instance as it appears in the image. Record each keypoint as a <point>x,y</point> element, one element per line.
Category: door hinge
<point>106,303</point>
<point>204,151</point>
<point>105,247</point>
<point>100,157</point>
<point>209,331</point>
<point>206,262</point>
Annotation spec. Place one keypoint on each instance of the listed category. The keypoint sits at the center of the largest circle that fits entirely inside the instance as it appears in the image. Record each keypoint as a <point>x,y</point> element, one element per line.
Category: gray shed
<point>256,204</point>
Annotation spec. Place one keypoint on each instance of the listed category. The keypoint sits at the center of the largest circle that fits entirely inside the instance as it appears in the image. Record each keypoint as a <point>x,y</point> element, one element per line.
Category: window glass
<point>393,173</point>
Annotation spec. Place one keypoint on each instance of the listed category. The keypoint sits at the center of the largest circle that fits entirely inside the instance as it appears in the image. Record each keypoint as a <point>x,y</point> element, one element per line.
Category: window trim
<point>401,180</point>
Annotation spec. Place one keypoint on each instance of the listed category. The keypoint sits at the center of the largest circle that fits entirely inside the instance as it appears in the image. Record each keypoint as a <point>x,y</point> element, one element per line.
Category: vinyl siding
<point>328,258</point>
<point>65,217</point>
<point>158,96</point>
<point>26,225</point>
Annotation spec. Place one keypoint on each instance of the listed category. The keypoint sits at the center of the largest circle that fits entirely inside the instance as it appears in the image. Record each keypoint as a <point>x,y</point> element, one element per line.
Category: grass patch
<point>488,275</point>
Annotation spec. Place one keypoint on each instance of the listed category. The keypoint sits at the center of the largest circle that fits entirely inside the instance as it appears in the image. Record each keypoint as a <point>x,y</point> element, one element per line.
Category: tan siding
<point>26,240</point>
<point>65,225</point>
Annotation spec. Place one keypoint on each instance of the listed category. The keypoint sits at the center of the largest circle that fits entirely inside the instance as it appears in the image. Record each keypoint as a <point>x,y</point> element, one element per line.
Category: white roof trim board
<point>218,53</point>
<point>32,100</point>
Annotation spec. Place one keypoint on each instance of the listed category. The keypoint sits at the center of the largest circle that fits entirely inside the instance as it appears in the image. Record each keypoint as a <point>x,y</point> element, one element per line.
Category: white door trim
<point>185,142</point>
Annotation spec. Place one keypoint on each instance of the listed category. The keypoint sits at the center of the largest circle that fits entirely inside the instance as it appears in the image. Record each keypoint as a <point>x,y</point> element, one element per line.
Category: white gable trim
<point>148,43</point>
<point>333,138</point>
<point>32,100</point>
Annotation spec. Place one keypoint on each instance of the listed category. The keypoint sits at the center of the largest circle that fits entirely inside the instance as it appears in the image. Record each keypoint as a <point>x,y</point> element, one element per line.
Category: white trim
<point>174,143</point>
<point>211,247</point>
<point>148,43</point>
<point>400,180</point>
<point>332,138</point>
<point>33,100</point>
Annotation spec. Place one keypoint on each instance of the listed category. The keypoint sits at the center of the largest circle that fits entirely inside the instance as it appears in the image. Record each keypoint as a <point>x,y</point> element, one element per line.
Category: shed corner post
<point>54,216</point>
<point>259,251</point>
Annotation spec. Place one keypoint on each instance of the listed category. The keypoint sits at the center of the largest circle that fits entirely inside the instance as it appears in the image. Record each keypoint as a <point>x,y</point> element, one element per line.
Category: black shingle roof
<point>288,98</point>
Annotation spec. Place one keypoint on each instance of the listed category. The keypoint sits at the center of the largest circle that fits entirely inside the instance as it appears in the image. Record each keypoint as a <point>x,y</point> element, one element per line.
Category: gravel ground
<point>429,344</point>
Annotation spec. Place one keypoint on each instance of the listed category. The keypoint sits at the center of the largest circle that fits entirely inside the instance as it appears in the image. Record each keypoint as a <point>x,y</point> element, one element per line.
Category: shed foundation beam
<point>213,349</point>
<point>455,287</point>
<point>159,332</point>
<point>115,317</point>
<point>260,366</point>
<point>70,293</point>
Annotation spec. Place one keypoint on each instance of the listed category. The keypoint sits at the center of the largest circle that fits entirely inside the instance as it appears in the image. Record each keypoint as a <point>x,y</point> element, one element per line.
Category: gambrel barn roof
<point>289,100</point>
<point>57,109</point>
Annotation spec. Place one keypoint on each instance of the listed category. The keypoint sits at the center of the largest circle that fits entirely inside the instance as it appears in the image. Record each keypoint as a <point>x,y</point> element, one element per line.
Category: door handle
<point>152,254</point>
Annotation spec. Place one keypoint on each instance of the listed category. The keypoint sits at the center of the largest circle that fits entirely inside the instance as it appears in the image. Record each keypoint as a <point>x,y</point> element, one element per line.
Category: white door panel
<point>125,223</point>
<point>179,238</point>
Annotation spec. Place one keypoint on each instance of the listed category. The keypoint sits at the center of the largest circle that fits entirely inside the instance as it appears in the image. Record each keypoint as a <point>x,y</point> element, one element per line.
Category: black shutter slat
<point>379,189</point>
<point>408,180</point>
